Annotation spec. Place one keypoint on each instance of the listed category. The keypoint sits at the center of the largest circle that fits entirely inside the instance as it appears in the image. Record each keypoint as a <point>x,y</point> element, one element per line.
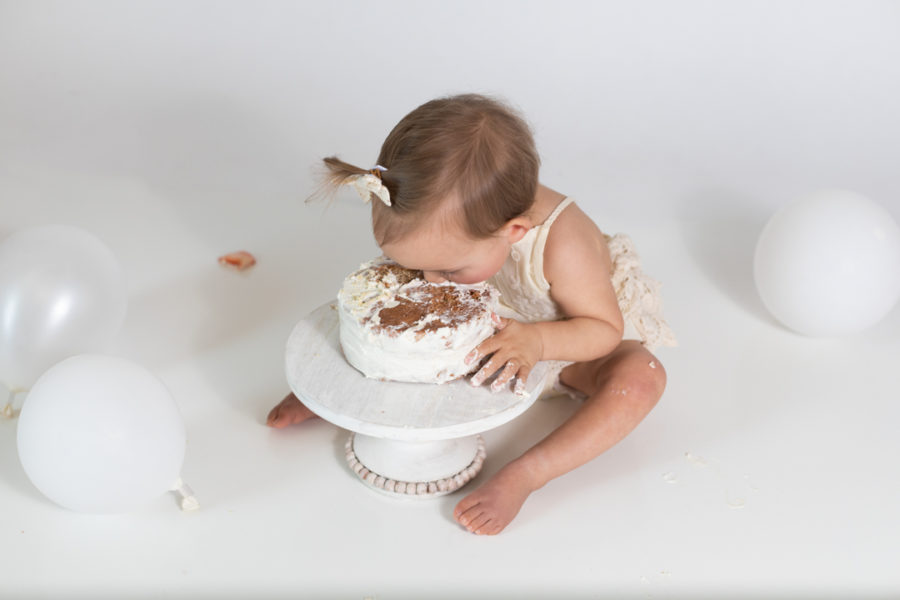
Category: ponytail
<point>366,182</point>
<point>473,148</point>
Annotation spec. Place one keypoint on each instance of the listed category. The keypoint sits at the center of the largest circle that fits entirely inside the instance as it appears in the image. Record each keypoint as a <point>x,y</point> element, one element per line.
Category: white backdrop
<point>640,108</point>
<point>178,131</point>
<point>199,123</point>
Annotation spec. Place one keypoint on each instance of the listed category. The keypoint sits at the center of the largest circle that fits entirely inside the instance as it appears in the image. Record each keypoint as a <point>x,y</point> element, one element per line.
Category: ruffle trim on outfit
<point>638,294</point>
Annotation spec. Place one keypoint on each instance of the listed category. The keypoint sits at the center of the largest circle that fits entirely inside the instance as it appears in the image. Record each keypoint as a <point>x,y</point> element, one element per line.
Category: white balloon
<point>829,264</point>
<point>101,434</point>
<point>62,293</point>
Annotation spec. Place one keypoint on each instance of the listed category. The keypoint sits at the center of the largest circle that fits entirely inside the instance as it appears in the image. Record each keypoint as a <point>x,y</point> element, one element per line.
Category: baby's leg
<point>621,388</point>
<point>287,412</point>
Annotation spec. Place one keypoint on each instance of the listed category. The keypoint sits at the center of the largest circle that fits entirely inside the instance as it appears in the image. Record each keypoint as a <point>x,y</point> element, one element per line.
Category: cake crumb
<point>696,460</point>
<point>737,503</point>
<point>238,261</point>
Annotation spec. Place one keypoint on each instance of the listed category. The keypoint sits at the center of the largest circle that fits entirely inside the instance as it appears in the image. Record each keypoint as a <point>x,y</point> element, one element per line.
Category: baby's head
<point>460,170</point>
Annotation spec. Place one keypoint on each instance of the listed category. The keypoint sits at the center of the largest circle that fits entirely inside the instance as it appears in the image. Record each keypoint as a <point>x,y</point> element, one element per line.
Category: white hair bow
<point>369,184</point>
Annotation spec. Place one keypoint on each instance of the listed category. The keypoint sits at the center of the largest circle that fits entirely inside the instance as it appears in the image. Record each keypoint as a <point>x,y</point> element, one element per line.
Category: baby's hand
<point>516,348</point>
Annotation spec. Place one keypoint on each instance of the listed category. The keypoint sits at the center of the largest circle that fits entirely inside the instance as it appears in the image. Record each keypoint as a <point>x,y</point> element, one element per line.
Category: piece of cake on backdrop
<point>394,325</point>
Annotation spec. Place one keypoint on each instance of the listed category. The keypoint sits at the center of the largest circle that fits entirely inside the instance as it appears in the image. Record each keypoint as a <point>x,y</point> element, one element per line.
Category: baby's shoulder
<point>575,226</point>
<point>574,242</point>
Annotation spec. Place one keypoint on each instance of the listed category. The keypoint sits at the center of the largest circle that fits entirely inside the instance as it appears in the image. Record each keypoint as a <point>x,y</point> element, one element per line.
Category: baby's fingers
<point>491,344</point>
<point>518,378</point>
<point>485,348</point>
<point>521,380</point>
<point>489,368</point>
<point>508,372</point>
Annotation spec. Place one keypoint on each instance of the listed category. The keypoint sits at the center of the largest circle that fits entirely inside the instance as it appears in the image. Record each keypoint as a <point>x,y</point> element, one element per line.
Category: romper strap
<point>541,241</point>
<point>559,208</point>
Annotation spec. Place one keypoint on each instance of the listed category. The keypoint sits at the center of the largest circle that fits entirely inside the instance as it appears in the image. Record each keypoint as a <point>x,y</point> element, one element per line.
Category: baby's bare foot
<point>287,412</point>
<point>490,508</point>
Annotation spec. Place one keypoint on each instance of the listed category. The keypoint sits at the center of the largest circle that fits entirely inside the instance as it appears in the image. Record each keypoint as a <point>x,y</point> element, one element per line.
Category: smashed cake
<point>394,325</point>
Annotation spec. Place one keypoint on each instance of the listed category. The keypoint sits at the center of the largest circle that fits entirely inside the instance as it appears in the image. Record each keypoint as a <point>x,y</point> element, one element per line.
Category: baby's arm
<point>578,267</point>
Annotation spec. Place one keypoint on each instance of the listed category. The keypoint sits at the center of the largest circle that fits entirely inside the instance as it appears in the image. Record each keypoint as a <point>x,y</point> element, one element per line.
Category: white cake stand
<point>411,440</point>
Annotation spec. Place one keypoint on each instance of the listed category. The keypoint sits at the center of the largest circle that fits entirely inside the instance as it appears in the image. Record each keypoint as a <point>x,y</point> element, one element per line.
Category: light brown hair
<point>473,147</point>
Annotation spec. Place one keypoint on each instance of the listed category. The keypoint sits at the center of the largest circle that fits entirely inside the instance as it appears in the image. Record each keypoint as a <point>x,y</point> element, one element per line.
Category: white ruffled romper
<point>525,292</point>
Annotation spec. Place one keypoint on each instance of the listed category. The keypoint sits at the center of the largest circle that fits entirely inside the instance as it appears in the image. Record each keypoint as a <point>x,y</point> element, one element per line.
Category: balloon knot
<point>188,501</point>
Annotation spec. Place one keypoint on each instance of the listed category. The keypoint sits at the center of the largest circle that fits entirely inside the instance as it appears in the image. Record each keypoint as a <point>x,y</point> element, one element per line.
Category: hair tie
<point>370,183</point>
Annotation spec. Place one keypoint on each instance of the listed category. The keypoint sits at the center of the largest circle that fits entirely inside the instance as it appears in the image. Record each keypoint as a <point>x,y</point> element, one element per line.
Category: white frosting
<point>423,352</point>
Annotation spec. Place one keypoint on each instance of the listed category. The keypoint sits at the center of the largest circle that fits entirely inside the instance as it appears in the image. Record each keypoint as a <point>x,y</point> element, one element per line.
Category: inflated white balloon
<point>829,264</point>
<point>62,293</point>
<point>101,434</point>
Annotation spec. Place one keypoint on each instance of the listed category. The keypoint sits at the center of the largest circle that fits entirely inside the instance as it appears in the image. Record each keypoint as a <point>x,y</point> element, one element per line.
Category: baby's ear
<point>515,229</point>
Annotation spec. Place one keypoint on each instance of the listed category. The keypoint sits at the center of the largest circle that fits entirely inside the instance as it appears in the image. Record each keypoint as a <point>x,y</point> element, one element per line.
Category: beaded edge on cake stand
<point>419,489</point>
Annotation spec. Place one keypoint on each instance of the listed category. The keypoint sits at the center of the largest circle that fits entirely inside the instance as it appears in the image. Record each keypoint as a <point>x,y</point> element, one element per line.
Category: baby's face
<point>445,255</point>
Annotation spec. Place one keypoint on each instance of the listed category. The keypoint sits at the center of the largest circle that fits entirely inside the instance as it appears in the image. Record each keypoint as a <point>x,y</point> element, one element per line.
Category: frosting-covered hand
<point>513,350</point>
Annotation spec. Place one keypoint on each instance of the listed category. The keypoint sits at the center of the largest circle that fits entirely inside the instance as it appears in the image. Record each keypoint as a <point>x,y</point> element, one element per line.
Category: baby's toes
<point>464,506</point>
<point>480,527</point>
<point>471,516</point>
<point>492,527</point>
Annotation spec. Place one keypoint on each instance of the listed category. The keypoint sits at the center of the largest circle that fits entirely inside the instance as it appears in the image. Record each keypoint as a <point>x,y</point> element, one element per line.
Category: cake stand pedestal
<point>410,440</point>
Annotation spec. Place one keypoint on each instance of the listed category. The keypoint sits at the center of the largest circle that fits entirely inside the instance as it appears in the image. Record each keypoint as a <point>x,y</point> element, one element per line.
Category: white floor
<point>769,467</point>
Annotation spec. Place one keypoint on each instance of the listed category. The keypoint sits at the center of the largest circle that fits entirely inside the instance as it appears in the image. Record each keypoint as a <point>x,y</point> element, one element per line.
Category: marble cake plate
<point>413,440</point>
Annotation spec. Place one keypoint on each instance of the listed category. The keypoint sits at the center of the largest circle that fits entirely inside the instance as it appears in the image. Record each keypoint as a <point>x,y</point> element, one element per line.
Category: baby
<point>457,196</point>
